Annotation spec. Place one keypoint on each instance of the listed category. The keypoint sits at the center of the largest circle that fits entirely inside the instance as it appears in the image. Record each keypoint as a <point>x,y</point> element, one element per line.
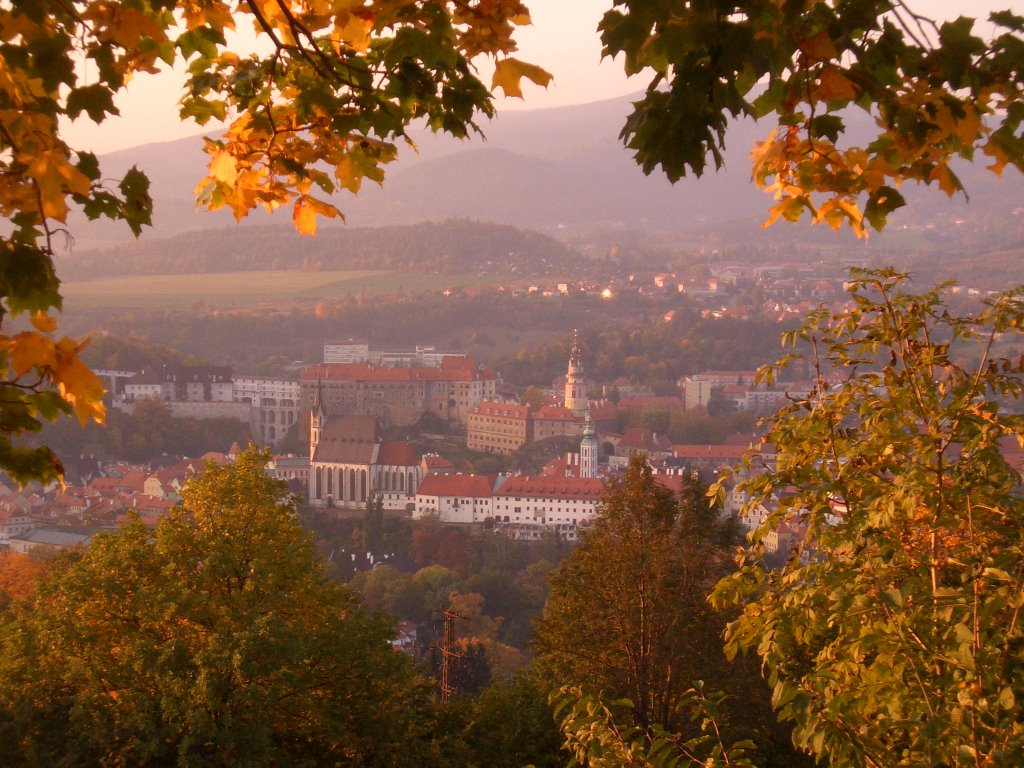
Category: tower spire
<point>317,418</point>
<point>575,387</point>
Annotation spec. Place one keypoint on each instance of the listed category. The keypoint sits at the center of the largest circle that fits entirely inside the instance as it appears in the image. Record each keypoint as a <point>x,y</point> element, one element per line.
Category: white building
<point>454,498</point>
<point>350,351</point>
<point>559,503</point>
<point>275,406</point>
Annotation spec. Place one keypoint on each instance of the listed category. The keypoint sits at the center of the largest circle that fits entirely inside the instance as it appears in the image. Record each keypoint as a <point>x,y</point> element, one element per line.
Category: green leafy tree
<point>319,105</point>
<point>373,525</point>
<point>892,636</point>
<point>627,615</point>
<point>512,725</point>
<point>213,640</point>
<point>934,91</point>
<point>600,735</point>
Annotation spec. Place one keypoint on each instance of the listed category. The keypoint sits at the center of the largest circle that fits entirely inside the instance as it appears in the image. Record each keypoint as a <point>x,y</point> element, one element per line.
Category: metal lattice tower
<point>448,652</point>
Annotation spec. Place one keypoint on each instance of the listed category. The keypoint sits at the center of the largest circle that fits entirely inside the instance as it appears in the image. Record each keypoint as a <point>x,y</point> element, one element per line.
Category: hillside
<point>563,172</point>
<point>453,246</point>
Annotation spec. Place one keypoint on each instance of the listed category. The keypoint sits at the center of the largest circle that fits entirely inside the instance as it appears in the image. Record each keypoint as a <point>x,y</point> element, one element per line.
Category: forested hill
<point>453,246</point>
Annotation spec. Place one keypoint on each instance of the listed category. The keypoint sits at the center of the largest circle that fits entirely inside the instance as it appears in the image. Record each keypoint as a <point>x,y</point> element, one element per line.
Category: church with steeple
<point>351,463</point>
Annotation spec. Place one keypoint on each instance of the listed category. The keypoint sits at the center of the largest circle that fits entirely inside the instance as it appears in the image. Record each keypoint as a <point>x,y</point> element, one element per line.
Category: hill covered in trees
<point>452,246</point>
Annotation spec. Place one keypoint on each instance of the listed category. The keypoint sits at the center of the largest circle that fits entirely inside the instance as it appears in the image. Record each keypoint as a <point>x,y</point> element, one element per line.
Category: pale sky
<point>563,40</point>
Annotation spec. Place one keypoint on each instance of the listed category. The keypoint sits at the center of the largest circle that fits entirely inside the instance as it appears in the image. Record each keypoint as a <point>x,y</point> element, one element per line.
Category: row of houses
<point>68,516</point>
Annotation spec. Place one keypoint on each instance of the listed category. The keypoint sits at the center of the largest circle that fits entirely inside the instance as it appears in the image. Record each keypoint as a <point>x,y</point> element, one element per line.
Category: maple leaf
<point>510,71</point>
<point>31,350</point>
<point>306,210</point>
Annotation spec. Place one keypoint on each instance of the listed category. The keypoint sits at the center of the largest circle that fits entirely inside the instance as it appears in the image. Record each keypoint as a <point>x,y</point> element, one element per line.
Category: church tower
<point>317,417</point>
<point>588,450</point>
<point>575,388</point>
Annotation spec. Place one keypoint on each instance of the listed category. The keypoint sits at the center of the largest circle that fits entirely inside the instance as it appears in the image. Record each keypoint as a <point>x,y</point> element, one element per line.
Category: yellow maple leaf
<point>80,387</point>
<point>510,71</point>
<point>30,350</point>
<point>306,210</point>
<point>304,217</point>
<point>53,174</point>
<point>353,29</point>
<point>947,182</point>
<point>43,322</point>
<point>224,167</point>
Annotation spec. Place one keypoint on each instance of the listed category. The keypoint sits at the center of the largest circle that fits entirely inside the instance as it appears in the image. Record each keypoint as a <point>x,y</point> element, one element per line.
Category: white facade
<point>548,501</point>
<point>696,393</point>
<point>346,352</point>
<point>275,406</point>
<point>255,390</point>
<point>453,509</point>
<point>152,390</point>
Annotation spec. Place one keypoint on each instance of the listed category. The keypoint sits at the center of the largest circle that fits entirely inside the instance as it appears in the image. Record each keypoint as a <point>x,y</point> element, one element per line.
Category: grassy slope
<point>245,289</point>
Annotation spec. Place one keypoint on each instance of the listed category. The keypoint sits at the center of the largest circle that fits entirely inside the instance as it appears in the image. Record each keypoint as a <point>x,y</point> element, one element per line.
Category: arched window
<point>317,484</point>
<point>362,485</point>
<point>330,482</point>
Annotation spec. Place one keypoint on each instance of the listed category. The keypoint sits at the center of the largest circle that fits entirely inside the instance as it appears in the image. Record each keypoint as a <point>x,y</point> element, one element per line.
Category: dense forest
<point>453,246</point>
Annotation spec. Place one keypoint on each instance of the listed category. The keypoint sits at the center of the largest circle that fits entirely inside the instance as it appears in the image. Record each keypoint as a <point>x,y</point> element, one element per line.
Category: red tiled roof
<point>554,413</point>
<point>601,410</point>
<point>504,410</point>
<point>437,462</point>
<point>553,487</point>
<point>451,369</point>
<point>347,440</point>
<point>396,455</point>
<point>134,479</point>
<point>476,486</point>
<point>106,485</point>
<point>643,439</point>
<point>731,452</point>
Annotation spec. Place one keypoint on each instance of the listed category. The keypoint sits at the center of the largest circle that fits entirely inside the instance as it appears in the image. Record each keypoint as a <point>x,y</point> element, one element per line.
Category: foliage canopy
<point>892,636</point>
<point>627,618</point>
<point>214,640</point>
<point>934,91</point>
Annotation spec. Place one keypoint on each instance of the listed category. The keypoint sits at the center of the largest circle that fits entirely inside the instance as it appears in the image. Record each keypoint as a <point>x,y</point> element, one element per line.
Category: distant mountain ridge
<point>563,171</point>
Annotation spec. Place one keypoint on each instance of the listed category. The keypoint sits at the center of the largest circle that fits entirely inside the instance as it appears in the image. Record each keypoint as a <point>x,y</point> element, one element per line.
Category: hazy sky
<point>563,39</point>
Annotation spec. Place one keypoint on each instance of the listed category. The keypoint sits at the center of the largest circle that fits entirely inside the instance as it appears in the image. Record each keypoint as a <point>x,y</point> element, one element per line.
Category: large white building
<point>275,406</point>
<point>455,498</point>
<point>562,503</point>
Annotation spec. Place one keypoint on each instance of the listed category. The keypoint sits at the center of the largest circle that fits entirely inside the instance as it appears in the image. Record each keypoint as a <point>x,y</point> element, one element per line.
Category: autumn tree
<point>214,639</point>
<point>627,615</point>
<point>934,92</point>
<point>320,104</point>
<point>892,636</point>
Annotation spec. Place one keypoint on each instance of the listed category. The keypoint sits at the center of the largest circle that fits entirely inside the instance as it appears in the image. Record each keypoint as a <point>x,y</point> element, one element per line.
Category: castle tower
<point>588,450</point>
<point>317,416</point>
<point>575,388</point>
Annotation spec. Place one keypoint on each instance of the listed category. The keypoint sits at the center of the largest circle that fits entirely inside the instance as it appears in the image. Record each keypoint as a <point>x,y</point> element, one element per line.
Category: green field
<point>249,289</point>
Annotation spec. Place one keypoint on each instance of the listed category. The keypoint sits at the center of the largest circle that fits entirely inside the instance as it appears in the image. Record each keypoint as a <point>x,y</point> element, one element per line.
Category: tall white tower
<point>575,387</point>
<point>588,450</point>
<point>317,417</point>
